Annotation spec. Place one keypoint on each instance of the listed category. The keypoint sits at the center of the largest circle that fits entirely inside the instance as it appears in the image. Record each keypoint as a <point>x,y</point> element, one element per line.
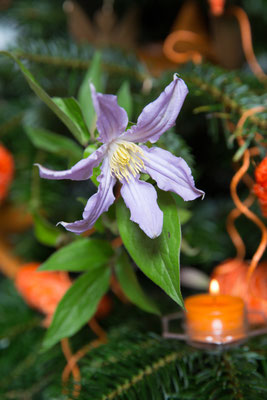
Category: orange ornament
<point>260,188</point>
<point>6,171</point>
<point>257,299</point>
<point>43,290</point>
<point>217,7</point>
<point>232,278</point>
<point>104,307</point>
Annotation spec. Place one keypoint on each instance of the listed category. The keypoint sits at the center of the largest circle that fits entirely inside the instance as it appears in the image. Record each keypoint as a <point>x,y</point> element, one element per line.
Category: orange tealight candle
<point>215,318</point>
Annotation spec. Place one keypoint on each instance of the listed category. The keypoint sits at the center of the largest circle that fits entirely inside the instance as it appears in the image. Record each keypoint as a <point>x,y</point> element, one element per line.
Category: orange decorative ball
<point>6,171</point>
<point>232,278</point>
<point>260,188</point>
<point>104,307</point>
<point>42,290</point>
<point>257,298</point>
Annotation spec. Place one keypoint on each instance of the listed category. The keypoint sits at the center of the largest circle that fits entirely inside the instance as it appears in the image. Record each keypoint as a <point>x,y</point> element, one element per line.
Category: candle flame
<point>214,286</point>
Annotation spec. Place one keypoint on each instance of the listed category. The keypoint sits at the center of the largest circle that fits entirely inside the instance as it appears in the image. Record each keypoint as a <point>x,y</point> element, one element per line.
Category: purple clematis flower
<point>122,159</point>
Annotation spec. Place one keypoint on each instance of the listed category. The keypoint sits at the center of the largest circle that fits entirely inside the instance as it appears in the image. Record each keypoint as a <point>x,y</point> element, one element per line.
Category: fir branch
<point>210,80</point>
<point>148,370</point>
<point>227,88</point>
<point>29,393</point>
<point>113,359</point>
<point>19,329</point>
<point>233,376</point>
<point>20,369</point>
<point>12,123</point>
<point>53,60</point>
<point>80,63</point>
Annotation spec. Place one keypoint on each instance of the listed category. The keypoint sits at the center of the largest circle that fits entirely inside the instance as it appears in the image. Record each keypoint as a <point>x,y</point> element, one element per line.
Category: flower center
<point>125,160</point>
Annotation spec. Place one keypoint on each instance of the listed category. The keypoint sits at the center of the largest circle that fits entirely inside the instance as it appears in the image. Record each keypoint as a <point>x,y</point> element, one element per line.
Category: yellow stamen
<point>125,160</point>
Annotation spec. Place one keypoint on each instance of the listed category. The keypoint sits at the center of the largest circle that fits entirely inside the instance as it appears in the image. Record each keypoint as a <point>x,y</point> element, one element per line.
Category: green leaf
<point>243,148</point>
<point>41,93</point>
<point>54,143</point>
<point>97,170</point>
<point>72,109</point>
<point>80,255</point>
<point>125,99</point>
<point>78,305</point>
<point>93,75</point>
<point>96,173</point>
<point>89,150</point>
<point>130,285</point>
<point>45,232</point>
<point>185,215</point>
<point>157,258</point>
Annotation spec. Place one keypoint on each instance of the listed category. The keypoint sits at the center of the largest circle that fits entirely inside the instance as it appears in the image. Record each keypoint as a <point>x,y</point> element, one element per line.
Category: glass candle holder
<point>216,319</point>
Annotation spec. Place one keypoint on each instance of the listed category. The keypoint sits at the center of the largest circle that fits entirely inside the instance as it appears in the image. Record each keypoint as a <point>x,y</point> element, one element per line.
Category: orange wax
<point>215,318</point>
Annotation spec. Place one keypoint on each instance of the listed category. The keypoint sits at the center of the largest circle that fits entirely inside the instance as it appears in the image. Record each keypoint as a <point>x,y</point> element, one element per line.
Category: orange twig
<point>246,39</point>
<point>242,206</point>
<point>232,231</point>
<point>72,361</point>
<point>89,232</point>
<point>73,367</point>
<point>247,114</point>
<point>77,356</point>
<point>181,57</point>
<point>116,243</point>
<point>96,328</point>
<point>249,214</point>
<point>235,213</point>
<point>116,289</point>
<point>9,264</point>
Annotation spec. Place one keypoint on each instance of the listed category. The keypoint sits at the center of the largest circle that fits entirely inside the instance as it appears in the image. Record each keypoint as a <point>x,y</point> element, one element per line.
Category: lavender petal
<point>159,115</point>
<point>80,171</point>
<point>171,173</point>
<point>112,120</point>
<point>97,204</point>
<point>141,198</point>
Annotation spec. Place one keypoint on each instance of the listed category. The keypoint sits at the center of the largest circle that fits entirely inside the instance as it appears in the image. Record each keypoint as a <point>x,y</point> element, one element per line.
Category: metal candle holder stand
<point>183,336</point>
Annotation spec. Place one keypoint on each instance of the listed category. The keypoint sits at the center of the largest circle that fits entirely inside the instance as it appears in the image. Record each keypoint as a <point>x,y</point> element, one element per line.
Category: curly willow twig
<point>242,207</point>
<point>65,345</point>
<point>182,57</point>
<point>72,359</point>
<point>233,232</point>
<point>246,39</point>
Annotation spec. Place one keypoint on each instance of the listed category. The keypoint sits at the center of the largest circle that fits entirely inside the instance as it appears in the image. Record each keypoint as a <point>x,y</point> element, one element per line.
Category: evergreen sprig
<point>134,365</point>
<point>229,89</point>
<point>234,91</point>
<point>65,54</point>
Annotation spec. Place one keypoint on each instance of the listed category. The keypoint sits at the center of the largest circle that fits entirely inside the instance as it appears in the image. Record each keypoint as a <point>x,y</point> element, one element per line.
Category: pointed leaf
<point>41,93</point>
<point>80,255</point>
<point>157,258</point>
<point>130,285</point>
<point>54,143</point>
<point>71,107</point>
<point>45,232</point>
<point>125,99</point>
<point>78,305</point>
<point>93,75</point>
